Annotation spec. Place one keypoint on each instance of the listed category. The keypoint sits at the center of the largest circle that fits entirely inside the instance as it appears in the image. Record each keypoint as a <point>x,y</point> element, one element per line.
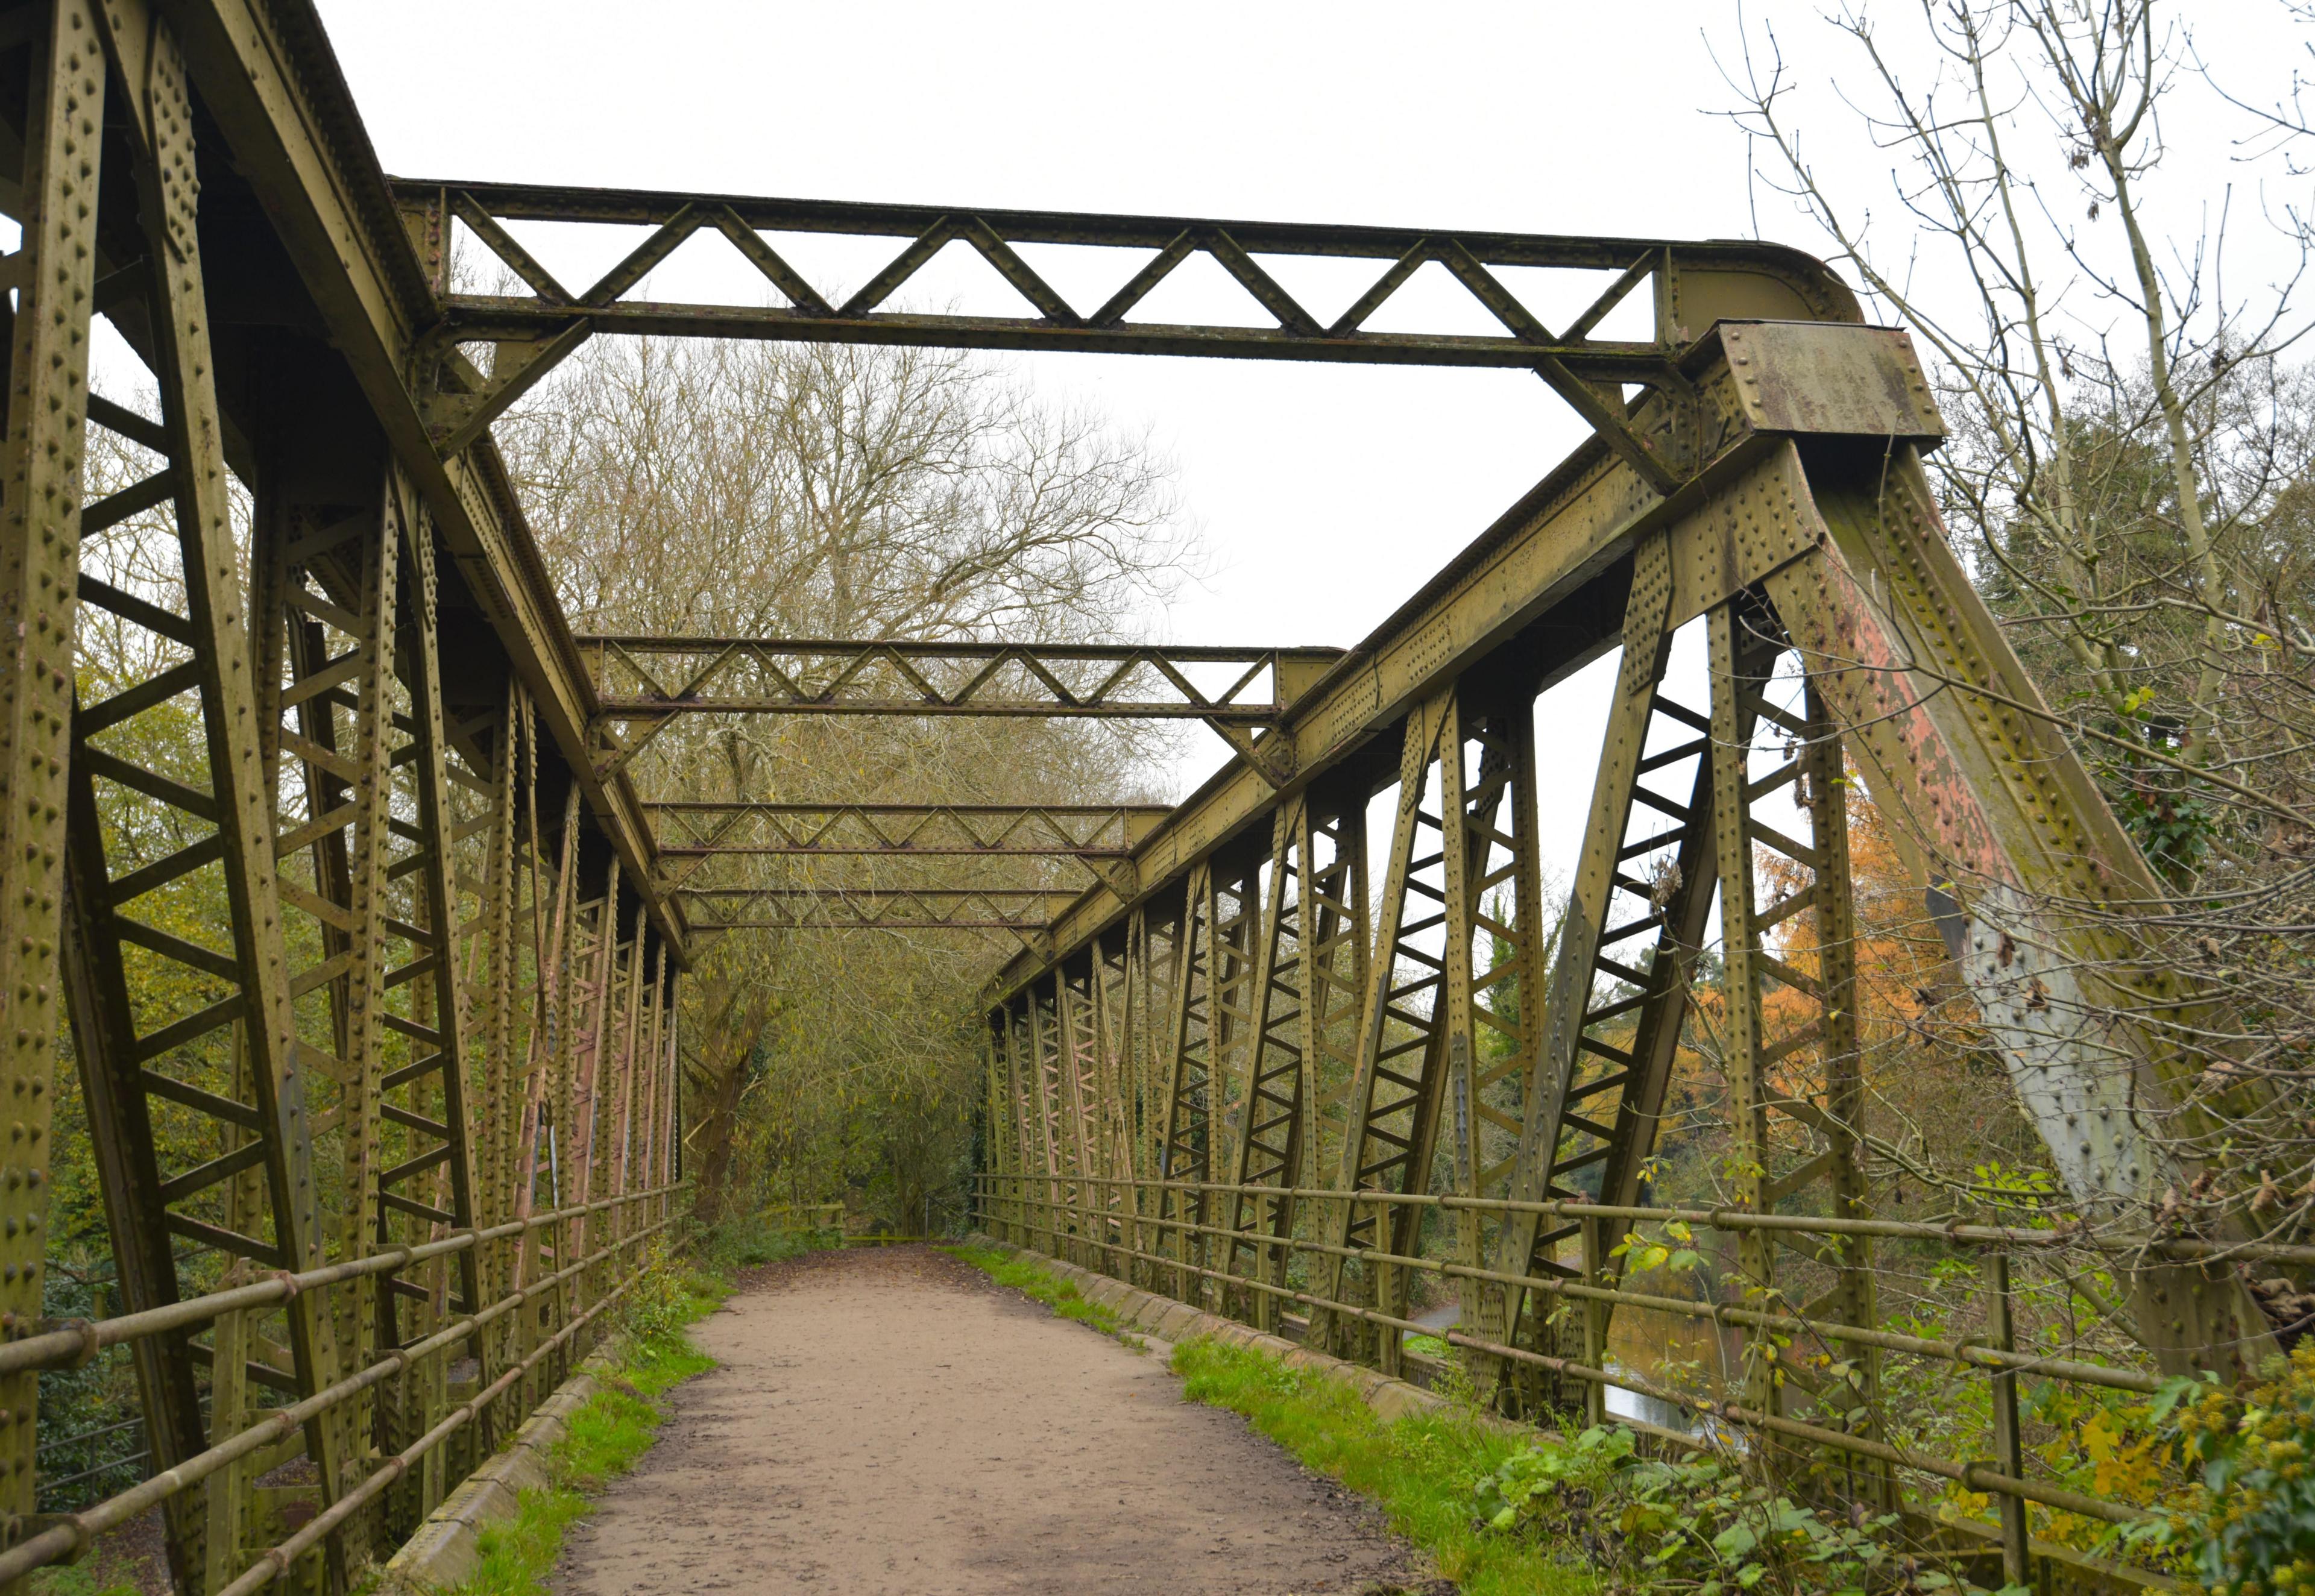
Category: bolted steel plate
<point>1831,378</point>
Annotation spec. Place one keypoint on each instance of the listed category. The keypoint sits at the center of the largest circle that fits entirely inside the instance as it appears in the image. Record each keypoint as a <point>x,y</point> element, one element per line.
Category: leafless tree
<point>758,490</point>
<point>2128,478</point>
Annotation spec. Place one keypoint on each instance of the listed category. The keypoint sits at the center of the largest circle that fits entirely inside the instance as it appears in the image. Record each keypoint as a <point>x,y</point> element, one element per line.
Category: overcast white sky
<point>1325,494</point>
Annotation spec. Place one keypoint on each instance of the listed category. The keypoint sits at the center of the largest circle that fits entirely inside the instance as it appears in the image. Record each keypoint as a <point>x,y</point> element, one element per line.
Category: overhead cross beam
<point>643,683</point>
<point>1025,912</point>
<point>538,329</point>
<point>1090,831</point>
<point>694,837</point>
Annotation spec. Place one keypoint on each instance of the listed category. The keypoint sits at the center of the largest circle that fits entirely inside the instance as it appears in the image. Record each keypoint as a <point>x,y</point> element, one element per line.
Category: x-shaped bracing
<point>534,331</point>
<point>643,683</point>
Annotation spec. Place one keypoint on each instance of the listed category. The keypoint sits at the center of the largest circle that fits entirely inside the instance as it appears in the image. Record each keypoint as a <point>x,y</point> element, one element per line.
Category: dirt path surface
<point>892,1421</point>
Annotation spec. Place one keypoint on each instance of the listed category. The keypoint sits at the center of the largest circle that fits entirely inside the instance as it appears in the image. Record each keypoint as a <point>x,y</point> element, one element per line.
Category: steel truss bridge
<point>362,945</point>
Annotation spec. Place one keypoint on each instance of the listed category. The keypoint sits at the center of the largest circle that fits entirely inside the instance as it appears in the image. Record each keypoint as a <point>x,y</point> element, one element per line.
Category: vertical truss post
<point>437,1072</point>
<point>577,967</point>
<point>2008,1437</point>
<point>258,1000</point>
<point>1045,1109</point>
<point>1794,1138</point>
<point>1183,1137</point>
<point>319,659</point>
<point>1336,959</point>
<point>1040,1194</point>
<point>647,1166</point>
<point>1074,1044</point>
<point>496,1023</point>
<point>1742,978</point>
<point>1573,1066</point>
<point>1017,1134</point>
<point>1473,1025</point>
<point>1110,1001</point>
<point>548,1095</point>
<point>602,1115</point>
<point>1233,974</point>
<point>664,1165</point>
<point>1153,943</point>
<point>992,1161</point>
<point>1267,1150</point>
<point>631,1039</point>
<point>41,475</point>
<point>1833,907</point>
<point>590,1034</point>
<point>1005,1126</point>
<point>1394,1095</point>
<point>1506,893</point>
<point>653,1033</point>
<point>1027,1118</point>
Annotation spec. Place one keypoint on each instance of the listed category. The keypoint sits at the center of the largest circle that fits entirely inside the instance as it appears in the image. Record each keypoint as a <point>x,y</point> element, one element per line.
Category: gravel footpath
<point>890,1421</point>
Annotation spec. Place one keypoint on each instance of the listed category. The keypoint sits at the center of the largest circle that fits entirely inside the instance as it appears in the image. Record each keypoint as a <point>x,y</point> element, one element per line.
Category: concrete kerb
<point>445,1550</point>
<point>1165,1321</point>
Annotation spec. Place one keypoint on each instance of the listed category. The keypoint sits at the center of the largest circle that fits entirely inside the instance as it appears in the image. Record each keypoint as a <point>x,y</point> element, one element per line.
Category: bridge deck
<point>892,1421</point>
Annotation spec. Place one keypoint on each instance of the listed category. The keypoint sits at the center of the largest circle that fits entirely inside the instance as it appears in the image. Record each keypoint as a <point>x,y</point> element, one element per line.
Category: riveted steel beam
<point>1687,285</point>
<point>1671,278</point>
<point>41,459</point>
<point>1541,591</point>
<point>269,84</point>
<point>1025,912</point>
<point>644,684</point>
<point>639,678</point>
<point>1091,830</point>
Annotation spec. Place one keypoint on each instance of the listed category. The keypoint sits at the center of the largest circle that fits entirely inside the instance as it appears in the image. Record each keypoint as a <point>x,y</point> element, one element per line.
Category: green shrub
<point>2255,1524</point>
<point>1704,1524</point>
<point>1421,1470</point>
<point>750,1241</point>
<point>606,1436</point>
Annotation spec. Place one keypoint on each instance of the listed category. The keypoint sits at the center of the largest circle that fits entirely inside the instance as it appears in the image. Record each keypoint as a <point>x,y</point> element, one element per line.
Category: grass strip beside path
<point>1046,1287</point>
<point>603,1439</point>
<point>1422,1470</point>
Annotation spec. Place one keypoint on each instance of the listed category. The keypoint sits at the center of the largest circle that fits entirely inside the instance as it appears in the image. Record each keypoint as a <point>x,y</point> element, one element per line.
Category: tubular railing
<point>1113,1224</point>
<point>588,1286</point>
<point>806,1216</point>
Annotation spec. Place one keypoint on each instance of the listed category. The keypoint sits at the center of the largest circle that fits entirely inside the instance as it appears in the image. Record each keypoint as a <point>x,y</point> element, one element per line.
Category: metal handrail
<point>2178,1249</point>
<point>75,1342</point>
<point>1995,1360</point>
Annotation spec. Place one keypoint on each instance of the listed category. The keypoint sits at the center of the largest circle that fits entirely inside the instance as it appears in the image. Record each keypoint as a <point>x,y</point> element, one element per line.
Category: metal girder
<point>41,459</point>
<point>242,893</point>
<point>266,78</point>
<point>1087,830</point>
<point>820,676</point>
<point>1588,371</point>
<point>644,683</point>
<point>884,909</point>
<point>1812,506</point>
<point>225,1047</point>
<point>714,842</point>
<point>1552,573</point>
<point>332,999</point>
<point>1415,1019</point>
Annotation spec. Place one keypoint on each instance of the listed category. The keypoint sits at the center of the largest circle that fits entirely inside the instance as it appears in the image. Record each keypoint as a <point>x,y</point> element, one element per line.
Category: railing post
<point>1390,1295</point>
<point>2016,1557</point>
<point>1595,1316</point>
